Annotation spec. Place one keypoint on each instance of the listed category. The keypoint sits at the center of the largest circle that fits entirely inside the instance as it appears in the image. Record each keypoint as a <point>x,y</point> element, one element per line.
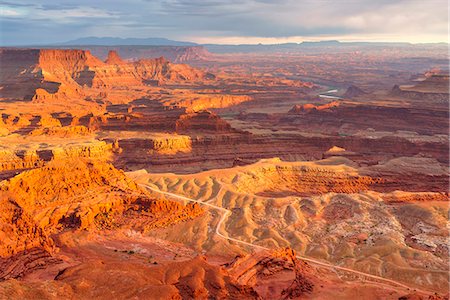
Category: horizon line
<point>217,44</point>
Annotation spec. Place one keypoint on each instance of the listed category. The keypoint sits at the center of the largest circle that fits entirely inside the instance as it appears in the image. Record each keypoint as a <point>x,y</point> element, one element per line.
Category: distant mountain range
<point>138,47</point>
<point>115,41</point>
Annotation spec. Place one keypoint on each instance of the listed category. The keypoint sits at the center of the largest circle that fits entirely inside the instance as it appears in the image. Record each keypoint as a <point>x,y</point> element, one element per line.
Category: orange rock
<point>310,107</point>
<point>114,58</point>
<point>74,194</point>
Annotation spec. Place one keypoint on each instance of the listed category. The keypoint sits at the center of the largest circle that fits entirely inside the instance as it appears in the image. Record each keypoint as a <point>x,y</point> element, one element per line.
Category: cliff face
<point>333,117</point>
<point>53,74</point>
<point>432,91</point>
<point>18,77</point>
<point>419,95</point>
<point>171,145</point>
<point>26,159</point>
<point>204,121</point>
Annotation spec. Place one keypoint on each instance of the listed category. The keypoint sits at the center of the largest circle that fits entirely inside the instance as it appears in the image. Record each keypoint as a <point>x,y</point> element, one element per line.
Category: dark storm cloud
<point>25,22</point>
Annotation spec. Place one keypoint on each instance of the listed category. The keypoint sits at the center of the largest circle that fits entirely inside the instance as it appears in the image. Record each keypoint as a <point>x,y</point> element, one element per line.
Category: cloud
<point>57,14</point>
<point>48,21</point>
<point>8,12</point>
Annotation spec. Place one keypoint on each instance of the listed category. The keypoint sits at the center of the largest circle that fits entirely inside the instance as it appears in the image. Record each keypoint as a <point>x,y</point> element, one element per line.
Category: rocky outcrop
<point>25,245</point>
<point>20,264</point>
<point>305,108</point>
<point>400,196</point>
<point>204,121</point>
<point>12,162</point>
<point>18,230</point>
<point>73,194</point>
<point>15,160</point>
<point>66,131</point>
<point>114,58</point>
<point>265,275</point>
<point>417,296</point>
<point>171,145</point>
<point>353,91</point>
<point>200,102</point>
<point>48,121</point>
<point>290,277</point>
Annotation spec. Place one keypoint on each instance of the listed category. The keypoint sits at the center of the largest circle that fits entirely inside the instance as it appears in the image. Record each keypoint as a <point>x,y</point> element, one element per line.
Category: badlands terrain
<point>184,172</point>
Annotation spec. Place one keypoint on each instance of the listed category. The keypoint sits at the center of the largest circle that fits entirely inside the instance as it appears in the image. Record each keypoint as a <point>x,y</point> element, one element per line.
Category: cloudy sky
<point>224,21</point>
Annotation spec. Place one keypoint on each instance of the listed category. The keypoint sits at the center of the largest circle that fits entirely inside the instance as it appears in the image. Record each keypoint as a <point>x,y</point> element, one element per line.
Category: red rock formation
<point>360,117</point>
<point>18,230</point>
<point>66,131</point>
<point>435,89</point>
<point>311,107</point>
<point>353,91</point>
<point>199,102</point>
<point>54,74</point>
<point>264,275</point>
<point>204,121</point>
<point>73,194</point>
<point>289,277</point>
<point>416,296</point>
<point>16,160</point>
<point>114,58</point>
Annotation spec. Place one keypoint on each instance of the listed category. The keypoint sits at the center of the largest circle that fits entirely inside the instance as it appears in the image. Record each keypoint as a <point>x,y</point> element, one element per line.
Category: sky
<point>25,22</point>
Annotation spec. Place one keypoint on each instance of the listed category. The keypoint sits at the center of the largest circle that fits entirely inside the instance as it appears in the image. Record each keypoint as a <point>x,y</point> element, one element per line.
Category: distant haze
<point>29,22</point>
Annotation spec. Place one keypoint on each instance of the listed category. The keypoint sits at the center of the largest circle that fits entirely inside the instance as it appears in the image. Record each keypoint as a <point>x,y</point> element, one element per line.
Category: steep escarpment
<point>204,121</point>
<point>419,95</point>
<point>54,74</point>
<point>20,76</point>
<point>148,115</point>
<point>434,89</point>
<point>170,144</point>
<point>348,118</point>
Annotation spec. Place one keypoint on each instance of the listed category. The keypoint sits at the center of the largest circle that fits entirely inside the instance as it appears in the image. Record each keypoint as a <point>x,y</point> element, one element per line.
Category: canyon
<point>172,172</point>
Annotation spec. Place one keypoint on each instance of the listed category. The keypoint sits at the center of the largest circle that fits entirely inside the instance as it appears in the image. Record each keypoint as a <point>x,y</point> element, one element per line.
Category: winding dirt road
<point>365,276</point>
